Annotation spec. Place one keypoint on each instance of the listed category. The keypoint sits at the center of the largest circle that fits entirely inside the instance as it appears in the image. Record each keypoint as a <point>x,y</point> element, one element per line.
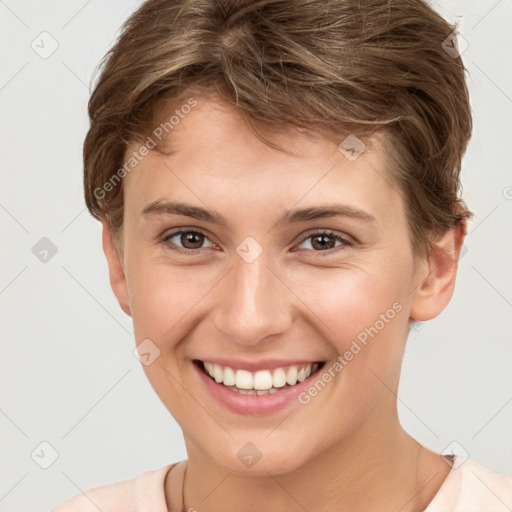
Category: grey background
<point>68,374</point>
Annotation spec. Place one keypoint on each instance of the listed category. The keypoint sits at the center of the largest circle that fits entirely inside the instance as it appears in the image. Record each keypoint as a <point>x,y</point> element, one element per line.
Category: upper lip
<point>254,366</point>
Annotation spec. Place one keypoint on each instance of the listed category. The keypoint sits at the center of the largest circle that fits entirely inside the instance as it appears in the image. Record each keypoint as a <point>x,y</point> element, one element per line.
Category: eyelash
<point>166,241</point>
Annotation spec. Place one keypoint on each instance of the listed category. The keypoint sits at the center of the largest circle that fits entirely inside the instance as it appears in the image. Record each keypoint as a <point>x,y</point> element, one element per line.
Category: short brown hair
<point>336,66</point>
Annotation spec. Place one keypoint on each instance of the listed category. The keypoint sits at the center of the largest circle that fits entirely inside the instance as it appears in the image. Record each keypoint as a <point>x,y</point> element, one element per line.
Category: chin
<point>248,460</point>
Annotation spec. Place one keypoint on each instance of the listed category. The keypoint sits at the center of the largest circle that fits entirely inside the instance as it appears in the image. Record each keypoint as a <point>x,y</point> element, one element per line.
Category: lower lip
<point>254,404</point>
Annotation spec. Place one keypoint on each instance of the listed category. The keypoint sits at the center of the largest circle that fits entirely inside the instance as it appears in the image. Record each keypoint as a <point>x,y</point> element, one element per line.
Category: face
<point>240,255</point>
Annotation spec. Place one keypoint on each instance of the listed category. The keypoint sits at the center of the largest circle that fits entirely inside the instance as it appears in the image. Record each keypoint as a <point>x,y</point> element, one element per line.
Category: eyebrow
<point>289,216</point>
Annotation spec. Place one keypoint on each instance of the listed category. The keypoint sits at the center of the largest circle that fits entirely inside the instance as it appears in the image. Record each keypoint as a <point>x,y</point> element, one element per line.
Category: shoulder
<point>485,487</point>
<point>122,496</point>
<point>108,498</point>
<point>473,487</point>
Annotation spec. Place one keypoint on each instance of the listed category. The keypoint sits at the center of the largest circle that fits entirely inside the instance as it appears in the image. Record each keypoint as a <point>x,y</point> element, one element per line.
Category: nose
<point>254,304</point>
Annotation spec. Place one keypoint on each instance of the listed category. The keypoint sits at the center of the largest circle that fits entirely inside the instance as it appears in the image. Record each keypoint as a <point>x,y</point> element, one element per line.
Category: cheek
<point>361,312</point>
<point>363,317</point>
<point>166,307</point>
<point>346,300</point>
<point>161,299</point>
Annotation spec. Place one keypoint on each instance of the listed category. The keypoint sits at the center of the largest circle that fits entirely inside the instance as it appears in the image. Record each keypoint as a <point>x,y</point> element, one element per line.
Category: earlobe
<point>437,280</point>
<point>115,268</point>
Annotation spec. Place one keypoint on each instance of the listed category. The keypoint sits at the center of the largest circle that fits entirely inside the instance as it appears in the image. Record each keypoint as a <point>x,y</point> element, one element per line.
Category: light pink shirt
<point>469,488</point>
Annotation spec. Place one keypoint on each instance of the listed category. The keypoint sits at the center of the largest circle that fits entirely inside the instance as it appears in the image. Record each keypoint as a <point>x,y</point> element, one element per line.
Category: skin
<point>345,450</point>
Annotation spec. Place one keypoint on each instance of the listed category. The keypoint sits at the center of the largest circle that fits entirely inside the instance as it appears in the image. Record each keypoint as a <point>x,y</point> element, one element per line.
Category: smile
<point>261,382</point>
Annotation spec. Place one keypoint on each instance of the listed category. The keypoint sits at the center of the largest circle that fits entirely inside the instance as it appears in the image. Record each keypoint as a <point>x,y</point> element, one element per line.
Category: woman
<point>278,183</point>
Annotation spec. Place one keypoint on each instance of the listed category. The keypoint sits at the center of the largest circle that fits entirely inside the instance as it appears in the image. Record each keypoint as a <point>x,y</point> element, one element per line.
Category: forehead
<point>216,158</point>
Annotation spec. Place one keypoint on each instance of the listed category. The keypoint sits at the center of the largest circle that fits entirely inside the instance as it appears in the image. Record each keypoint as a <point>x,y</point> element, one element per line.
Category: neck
<point>372,471</point>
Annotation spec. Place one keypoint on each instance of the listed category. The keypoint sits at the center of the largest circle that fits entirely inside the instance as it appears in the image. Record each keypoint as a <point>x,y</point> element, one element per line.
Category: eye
<point>187,240</point>
<point>324,241</point>
<point>193,240</point>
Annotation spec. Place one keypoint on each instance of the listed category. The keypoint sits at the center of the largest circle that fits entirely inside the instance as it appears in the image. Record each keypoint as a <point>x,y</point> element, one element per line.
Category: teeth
<point>218,374</point>
<point>247,391</point>
<point>291,375</point>
<point>244,379</point>
<point>229,376</point>
<point>262,382</point>
<point>279,378</point>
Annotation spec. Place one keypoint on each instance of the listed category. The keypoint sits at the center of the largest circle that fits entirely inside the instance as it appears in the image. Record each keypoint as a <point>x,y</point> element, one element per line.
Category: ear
<point>115,268</point>
<point>437,275</point>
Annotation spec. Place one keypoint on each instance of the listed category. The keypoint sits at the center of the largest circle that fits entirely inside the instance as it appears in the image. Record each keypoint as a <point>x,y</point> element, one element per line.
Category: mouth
<point>261,382</point>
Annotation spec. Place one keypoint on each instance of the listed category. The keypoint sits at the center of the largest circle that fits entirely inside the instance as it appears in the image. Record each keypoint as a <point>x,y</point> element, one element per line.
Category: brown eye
<point>191,240</point>
<point>324,241</point>
<point>187,240</point>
